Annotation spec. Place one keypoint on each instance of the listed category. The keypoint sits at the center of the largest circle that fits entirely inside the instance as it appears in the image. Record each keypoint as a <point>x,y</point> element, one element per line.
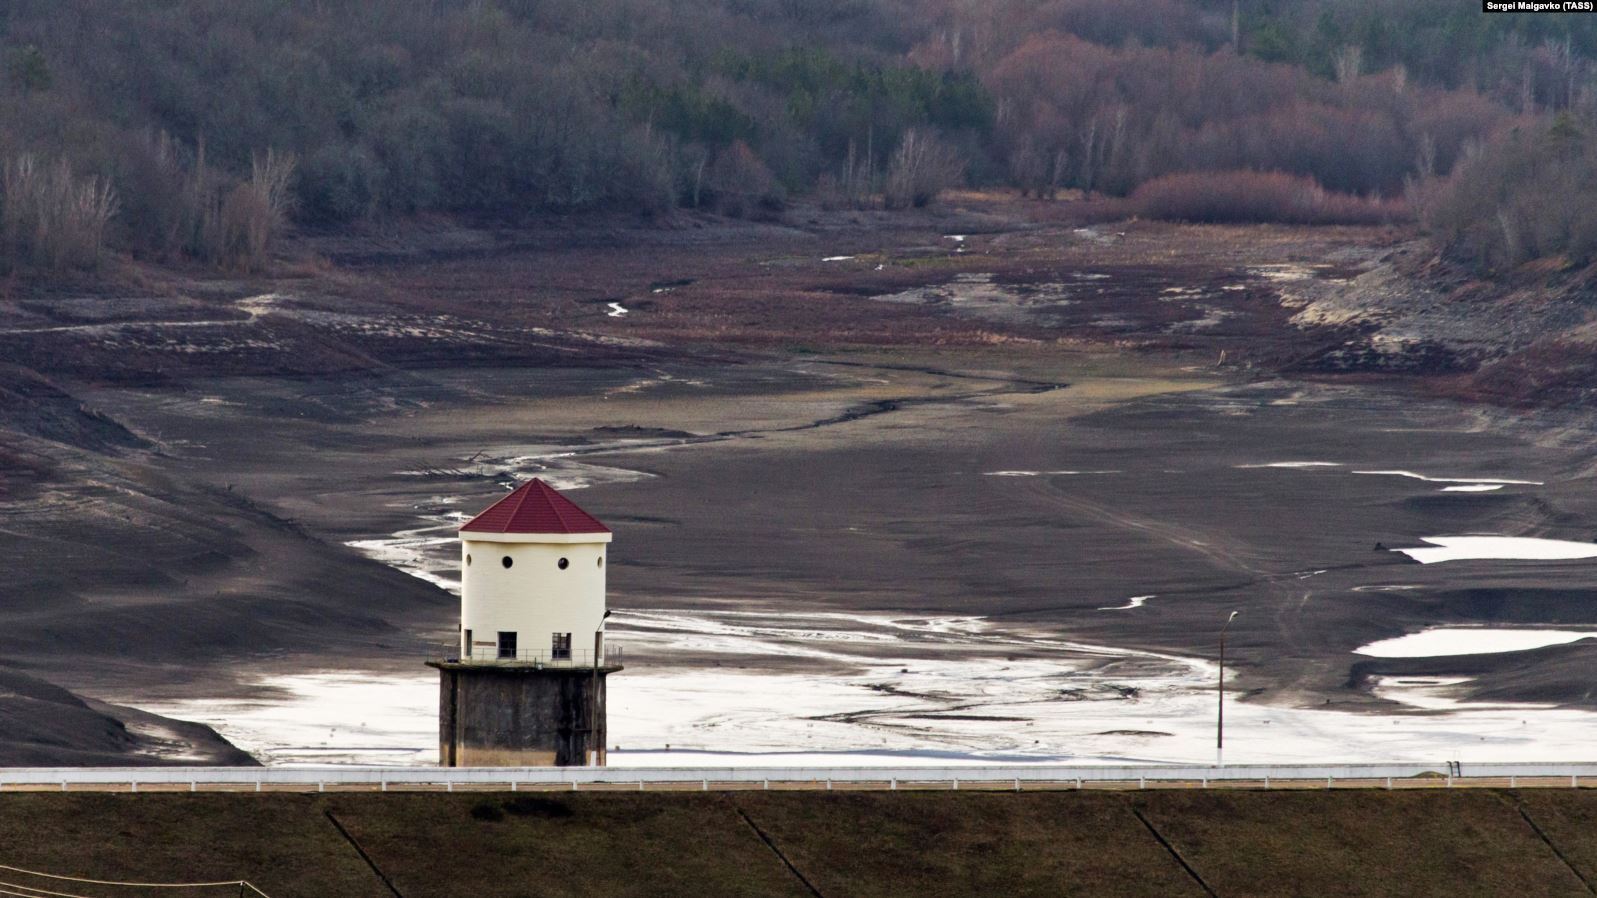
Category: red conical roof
<point>534,507</point>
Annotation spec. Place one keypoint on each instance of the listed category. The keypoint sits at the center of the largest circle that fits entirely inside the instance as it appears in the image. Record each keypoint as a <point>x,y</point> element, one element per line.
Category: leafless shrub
<point>254,212</point>
<point>854,187</point>
<point>234,224</point>
<point>50,217</point>
<point>1036,171</point>
<point>1349,63</point>
<point>1524,197</point>
<point>922,167</point>
<point>741,185</point>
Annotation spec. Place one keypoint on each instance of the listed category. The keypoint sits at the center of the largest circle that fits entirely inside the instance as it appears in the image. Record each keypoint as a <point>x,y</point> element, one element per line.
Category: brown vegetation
<point>507,107</point>
<point>180,205</point>
<point>922,167</point>
<point>1078,114</point>
<point>50,217</point>
<point>149,129</point>
<point>741,186</point>
<point>1532,195</point>
<point>1242,196</point>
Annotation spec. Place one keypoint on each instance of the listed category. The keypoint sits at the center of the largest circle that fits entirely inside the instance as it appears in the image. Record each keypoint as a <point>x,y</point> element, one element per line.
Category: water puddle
<point>1500,481</point>
<point>1498,548</point>
<point>1040,473</point>
<point>256,306</point>
<point>1294,464</point>
<point>1445,641</point>
<point>1283,273</point>
<point>1133,602</point>
<point>326,718</point>
<point>853,689</point>
<point>980,295</point>
<point>616,310</point>
<point>1456,484</point>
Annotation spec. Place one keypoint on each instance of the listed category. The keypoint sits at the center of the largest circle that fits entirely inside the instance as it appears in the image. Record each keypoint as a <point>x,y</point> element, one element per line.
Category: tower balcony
<point>608,660</point>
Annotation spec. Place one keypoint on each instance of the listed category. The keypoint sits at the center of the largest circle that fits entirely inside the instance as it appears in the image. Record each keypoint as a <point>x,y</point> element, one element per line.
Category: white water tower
<point>527,687</point>
<point>532,579</point>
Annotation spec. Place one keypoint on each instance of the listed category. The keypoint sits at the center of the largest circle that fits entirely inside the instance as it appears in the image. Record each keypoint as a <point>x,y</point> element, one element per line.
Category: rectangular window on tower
<point>562,647</point>
<point>465,648</point>
<point>507,645</point>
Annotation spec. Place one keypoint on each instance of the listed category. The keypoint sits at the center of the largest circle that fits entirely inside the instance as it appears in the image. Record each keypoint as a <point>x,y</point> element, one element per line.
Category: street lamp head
<point>1232,617</point>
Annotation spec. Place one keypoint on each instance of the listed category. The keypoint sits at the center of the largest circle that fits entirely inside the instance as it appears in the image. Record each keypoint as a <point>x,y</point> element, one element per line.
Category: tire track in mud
<point>937,372</point>
<point>1289,602</point>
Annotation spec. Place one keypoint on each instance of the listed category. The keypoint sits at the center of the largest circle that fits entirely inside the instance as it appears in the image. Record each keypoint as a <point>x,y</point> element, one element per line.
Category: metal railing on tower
<point>611,656</point>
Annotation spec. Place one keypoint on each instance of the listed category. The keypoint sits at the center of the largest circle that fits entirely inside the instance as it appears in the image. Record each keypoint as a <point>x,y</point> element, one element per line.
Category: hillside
<point>200,131</point>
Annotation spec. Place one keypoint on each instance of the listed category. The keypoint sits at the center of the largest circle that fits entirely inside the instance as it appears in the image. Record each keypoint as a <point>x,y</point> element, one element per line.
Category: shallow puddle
<point>1441,641</point>
<point>1499,548</point>
<point>873,689</point>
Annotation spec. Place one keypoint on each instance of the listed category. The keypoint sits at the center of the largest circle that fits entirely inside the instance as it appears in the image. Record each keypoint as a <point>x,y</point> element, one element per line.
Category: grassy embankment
<point>1475,842</point>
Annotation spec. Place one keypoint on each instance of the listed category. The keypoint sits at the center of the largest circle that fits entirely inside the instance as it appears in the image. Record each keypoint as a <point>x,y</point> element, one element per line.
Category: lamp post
<point>595,736</point>
<point>1219,732</point>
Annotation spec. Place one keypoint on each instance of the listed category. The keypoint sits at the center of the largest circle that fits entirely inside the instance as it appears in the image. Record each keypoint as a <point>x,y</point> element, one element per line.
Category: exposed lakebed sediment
<point>891,564</point>
<point>1009,528</point>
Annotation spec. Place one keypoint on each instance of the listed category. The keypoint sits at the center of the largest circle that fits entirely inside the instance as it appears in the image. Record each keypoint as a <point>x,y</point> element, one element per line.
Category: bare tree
<point>923,166</point>
<point>254,212</point>
<point>1349,63</point>
<point>742,185</point>
<point>1027,168</point>
<point>52,218</point>
<point>1420,187</point>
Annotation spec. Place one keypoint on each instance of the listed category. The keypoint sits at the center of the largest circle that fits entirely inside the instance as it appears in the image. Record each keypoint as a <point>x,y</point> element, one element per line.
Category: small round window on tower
<point>468,558</point>
<point>563,564</point>
<point>507,561</point>
<point>600,559</point>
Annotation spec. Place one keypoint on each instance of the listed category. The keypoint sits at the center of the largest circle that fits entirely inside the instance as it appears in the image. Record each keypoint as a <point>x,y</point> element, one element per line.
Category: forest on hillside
<point>196,130</point>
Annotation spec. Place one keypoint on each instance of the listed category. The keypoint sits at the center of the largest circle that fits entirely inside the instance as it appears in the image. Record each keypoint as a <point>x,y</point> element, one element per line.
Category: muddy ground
<point>772,426</point>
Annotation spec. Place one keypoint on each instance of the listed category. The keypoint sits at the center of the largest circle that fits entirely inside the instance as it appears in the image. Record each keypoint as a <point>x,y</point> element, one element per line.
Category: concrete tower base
<point>520,715</point>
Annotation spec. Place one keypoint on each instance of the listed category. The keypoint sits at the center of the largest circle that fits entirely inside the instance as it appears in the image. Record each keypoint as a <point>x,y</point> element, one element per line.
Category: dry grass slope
<point>929,843</point>
<point>1363,843</point>
<point>282,843</point>
<point>829,844</point>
